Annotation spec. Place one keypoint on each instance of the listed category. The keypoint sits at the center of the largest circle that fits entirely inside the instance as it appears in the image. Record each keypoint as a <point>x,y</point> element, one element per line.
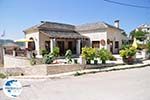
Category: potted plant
<point>128,55</point>
<point>104,55</point>
<point>88,53</point>
<point>68,56</point>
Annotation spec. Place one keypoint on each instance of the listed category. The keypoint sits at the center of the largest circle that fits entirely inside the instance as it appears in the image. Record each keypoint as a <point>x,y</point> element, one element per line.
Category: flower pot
<point>88,61</point>
<point>129,60</point>
<point>103,61</point>
<point>75,61</point>
<point>95,62</point>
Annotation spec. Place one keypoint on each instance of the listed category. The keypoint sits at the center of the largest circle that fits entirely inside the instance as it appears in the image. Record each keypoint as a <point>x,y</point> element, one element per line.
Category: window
<point>47,45</point>
<point>31,45</point>
<point>95,44</point>
<point>116,44</point>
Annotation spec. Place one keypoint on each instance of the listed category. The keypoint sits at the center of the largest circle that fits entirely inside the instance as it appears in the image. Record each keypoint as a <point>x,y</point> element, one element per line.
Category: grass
<point>2,75</point>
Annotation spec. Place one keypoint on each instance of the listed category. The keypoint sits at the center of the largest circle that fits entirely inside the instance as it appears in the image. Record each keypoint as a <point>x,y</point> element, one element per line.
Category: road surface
<point>133,84</point>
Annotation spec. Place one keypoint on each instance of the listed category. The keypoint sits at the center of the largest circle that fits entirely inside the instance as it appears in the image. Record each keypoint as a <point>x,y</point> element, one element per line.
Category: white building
<point>144,28</point>
<point>47,35</point>
<point>103,35</point>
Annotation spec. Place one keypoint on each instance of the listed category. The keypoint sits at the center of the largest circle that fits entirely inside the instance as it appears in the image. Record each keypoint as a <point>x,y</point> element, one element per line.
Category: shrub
<point>32,61</point>
<point>148,47</point>
<point>104,55</point>
<point>128,52</point>
<point>48,59</point>
<point>2,75</point>
<point>43,52</point>
<point>112,58</point>
<point>68,56</point>
<point>55,52</point>
<point>88,53</point>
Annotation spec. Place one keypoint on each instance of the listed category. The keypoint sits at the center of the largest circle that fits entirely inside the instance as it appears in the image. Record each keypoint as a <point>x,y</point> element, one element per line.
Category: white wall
<point>115,35</point>
<point>35,36</point>
<point>97,36</point>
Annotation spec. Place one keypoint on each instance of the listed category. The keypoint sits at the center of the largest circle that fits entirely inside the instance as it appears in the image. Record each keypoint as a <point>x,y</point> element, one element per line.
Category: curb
<point>81,72</point>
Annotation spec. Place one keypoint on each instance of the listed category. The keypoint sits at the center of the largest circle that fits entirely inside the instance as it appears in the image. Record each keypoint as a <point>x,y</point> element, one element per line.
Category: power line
<point>125,4</point>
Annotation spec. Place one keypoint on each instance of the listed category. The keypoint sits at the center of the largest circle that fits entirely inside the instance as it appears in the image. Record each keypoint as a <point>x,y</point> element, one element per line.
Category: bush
<point>148,47</point>
<point>128,52</point>
<point>32,61</point>
<point>112,58</point>
<point>48,59</point>
<point>55,52</point>
<point>43,52</point>
<point>104,55</point>
<point>2,75</point>
<point>68,56</point>
<point>88,53</point>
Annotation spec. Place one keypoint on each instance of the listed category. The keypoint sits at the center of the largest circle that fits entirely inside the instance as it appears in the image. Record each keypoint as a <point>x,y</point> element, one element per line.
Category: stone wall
<point>56,69</point>
<point>1,56</point>
<point>11,61</point>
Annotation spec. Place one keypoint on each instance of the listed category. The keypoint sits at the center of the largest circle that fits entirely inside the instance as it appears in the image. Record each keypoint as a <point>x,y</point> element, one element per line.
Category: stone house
<point>103,35</point>
<point>47,35</point>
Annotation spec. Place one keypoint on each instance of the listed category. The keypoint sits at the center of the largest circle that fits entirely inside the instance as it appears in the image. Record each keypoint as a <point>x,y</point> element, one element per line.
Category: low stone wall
<point>11,61</point>
<point>56,69</point>
<point>41,69</point>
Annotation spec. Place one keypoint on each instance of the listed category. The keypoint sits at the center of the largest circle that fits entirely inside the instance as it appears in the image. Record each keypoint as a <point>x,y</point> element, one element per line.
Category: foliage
<point>124,46</point>
<point>141,46</point>
<point>139,35</point>
<point>32,61</point>
<point>148,46</point>
<point>43,52</point>
<point>103,55</point>
<point>48,59</point>
<point>112,58</point>
<point>55,52</point>
<point>2,75</point>
<point>88,53</point>
<point>68,56</point>
<point>78,74</point>
<point>128,52</point>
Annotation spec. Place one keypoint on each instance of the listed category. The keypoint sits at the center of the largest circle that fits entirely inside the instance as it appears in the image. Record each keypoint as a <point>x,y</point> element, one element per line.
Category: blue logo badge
<point>12,88</point>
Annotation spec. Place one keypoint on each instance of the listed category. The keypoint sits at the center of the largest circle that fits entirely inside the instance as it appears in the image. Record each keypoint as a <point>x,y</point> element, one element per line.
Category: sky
<point>18,15</point>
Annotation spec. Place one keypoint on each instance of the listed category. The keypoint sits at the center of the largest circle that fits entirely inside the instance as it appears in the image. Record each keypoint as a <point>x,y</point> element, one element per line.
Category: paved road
<point>133,84</point>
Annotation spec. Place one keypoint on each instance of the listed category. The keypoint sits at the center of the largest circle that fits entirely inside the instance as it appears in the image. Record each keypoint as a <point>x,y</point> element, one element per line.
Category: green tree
<point>139,35</point>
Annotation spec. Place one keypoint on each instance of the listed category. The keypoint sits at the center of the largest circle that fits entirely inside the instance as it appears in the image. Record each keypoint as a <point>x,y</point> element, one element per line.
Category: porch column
<point>52,44</point>
<point>78,47</point>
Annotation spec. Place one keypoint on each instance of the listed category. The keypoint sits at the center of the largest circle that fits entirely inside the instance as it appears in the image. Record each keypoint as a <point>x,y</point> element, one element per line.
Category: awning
<point>23,40</point>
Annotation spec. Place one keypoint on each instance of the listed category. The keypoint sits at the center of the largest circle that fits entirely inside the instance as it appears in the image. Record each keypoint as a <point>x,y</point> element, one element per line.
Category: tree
<point>139,35</point>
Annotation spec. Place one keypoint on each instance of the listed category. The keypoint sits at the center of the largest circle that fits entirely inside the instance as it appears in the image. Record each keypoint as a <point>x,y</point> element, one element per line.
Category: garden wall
<point>11,61</point>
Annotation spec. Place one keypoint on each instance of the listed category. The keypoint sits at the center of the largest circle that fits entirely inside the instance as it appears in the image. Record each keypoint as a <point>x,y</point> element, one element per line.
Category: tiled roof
<point>63,34</point>
<point>53,26</point>
<point>94,26</point>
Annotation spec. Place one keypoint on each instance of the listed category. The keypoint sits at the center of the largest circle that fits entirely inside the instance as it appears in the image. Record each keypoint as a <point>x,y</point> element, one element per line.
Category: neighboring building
<point>47,35</point>
<point>144,28</point>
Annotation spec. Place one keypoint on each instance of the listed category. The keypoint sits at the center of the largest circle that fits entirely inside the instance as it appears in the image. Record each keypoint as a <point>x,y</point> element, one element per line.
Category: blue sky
<point>17,15</point>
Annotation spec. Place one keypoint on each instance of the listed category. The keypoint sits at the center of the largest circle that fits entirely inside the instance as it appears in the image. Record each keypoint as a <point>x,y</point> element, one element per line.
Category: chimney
<point>116,23</point>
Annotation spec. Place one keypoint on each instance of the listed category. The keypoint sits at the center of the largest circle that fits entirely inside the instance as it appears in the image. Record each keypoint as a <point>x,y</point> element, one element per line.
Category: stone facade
<point>1,56</point>
<point>11,61</point>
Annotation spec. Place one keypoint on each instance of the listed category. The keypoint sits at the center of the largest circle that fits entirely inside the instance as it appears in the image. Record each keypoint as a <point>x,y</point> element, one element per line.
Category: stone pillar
<point>52,44</point>
<point>14,53</point>
<point>1,56</point>
<point>78,47</point>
